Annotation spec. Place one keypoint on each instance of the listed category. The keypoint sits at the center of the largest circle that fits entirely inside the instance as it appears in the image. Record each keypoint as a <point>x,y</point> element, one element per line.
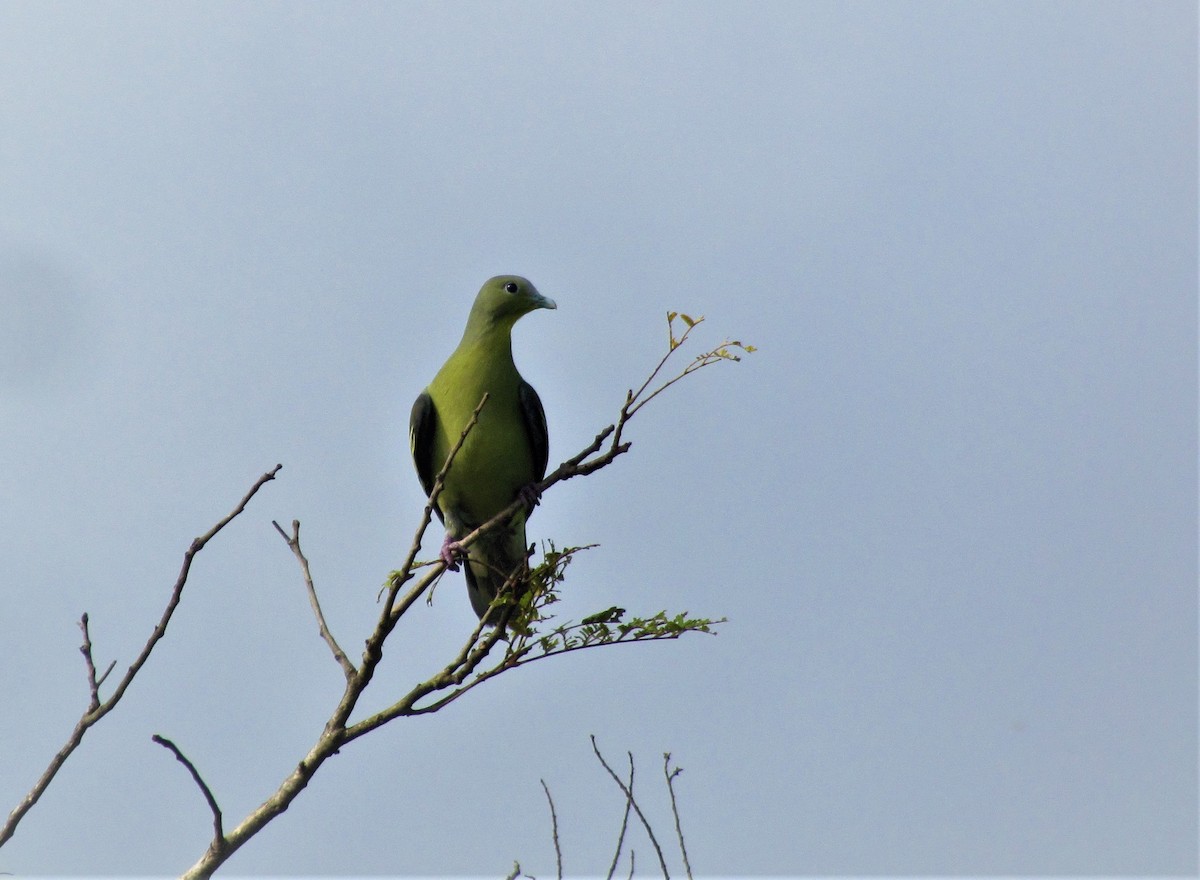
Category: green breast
<point>496,459</point>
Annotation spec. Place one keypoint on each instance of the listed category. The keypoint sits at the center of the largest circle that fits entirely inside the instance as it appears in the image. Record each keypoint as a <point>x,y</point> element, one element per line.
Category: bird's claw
<point>531,495</point>
<point>450,554</point>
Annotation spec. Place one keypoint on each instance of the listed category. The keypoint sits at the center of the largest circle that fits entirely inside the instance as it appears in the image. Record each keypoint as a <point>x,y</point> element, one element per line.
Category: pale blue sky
<point>949,507</point>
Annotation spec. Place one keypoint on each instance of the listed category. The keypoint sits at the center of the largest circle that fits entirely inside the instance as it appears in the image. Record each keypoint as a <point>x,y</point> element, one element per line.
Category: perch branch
<point>391,613</point>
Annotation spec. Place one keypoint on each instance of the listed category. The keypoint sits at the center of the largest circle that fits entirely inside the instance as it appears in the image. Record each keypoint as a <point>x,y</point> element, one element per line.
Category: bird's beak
<point>544,302</point>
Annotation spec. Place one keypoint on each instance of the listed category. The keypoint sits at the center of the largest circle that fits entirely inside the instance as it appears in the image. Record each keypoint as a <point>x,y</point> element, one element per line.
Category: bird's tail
<point>492,562</point>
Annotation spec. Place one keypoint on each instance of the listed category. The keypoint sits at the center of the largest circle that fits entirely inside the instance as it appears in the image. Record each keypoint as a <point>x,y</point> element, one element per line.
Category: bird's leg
<point>531,495</point>
<point>450,553</point>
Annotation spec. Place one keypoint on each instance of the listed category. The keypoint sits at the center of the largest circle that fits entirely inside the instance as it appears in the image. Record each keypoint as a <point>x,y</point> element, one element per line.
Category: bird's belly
<point>487,475</point>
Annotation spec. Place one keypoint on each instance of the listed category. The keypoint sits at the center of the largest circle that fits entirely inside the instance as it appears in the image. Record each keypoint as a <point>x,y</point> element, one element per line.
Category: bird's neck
<point>488,341</point>
<point>489,331</point>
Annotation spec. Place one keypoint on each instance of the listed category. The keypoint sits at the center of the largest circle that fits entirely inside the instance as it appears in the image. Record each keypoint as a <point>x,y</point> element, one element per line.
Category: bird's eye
<point>511,287</point>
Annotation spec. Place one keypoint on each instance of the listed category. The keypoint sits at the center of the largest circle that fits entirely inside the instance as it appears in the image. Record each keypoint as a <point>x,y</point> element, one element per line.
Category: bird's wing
<point>535,428</point>
<point>421,426</point>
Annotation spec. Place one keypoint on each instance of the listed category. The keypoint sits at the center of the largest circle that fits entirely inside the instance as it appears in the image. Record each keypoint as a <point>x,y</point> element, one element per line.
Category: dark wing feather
<point>535,426</point>
<point>422,423</point>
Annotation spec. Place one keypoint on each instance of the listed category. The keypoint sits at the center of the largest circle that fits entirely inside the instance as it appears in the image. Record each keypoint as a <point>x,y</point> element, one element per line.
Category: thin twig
<point>670,775</point>
<point>293,542</point>
<point>111,665</point>
<point>701,361</point>
<point>392,613</point>
<point>554,826</point>
<point>624,824</point>
<point>98,710</point>
<point>628,790</point>
<point>86,650</point>
<point>177,593</point>
<point>218,833</point>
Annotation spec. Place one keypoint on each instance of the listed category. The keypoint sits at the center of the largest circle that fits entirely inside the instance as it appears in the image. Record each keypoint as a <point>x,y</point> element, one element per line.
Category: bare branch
<point>218,833</point>
<point>554,826</point>
<point>670,776</point>
<point>628,790</point>
<point>624,824</point>
<point>97,709</point>
<point>86,650</point>
<point>293,542</point>
<point>111,665</point>
<point>177,593</point>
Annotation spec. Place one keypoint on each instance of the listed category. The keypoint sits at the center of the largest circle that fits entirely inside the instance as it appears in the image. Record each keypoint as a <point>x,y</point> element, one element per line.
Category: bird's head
<point>505,298</point>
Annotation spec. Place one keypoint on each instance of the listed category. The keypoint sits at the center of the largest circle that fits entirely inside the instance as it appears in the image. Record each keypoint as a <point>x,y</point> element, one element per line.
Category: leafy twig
<point>720,353</point>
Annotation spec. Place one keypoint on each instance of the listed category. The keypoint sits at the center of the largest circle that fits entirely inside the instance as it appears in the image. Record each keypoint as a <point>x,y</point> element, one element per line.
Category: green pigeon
<point>504,456</point>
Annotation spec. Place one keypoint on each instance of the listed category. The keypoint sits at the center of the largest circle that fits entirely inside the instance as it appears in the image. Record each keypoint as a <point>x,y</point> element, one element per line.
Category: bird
<point>505,454</point>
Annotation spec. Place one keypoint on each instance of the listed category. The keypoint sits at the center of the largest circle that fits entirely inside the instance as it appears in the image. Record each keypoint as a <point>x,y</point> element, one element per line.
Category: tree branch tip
<point>219,842</point>
<point>101,679</point>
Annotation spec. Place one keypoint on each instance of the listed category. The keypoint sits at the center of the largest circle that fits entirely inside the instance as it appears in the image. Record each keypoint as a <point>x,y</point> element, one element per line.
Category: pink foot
<point>450,553</point>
